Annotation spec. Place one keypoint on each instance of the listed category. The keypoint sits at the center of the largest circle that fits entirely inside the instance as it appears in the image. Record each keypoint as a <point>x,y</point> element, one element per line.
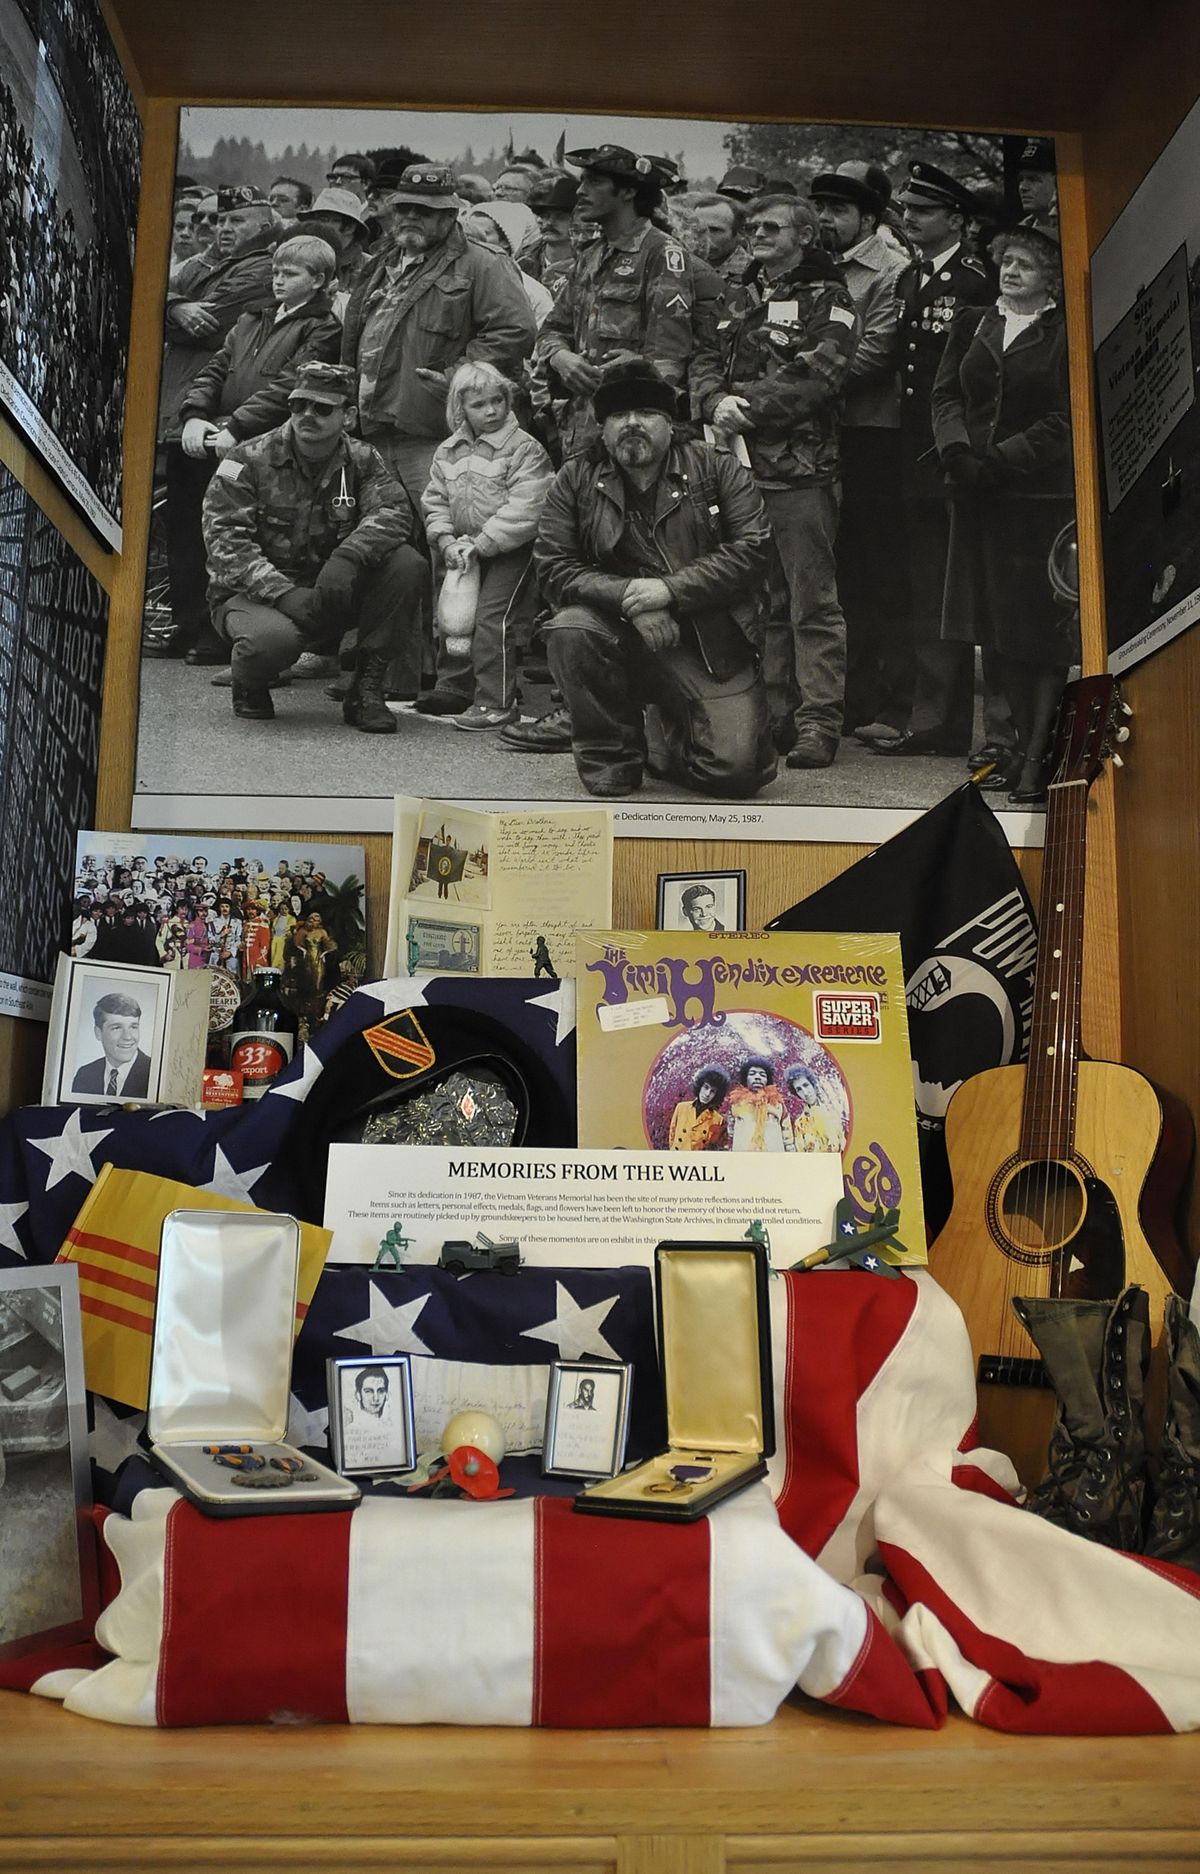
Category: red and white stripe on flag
<point>504,1613</point>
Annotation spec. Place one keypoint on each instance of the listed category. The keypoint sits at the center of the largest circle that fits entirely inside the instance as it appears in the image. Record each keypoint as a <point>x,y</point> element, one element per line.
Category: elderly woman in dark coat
<point>1002,425</point>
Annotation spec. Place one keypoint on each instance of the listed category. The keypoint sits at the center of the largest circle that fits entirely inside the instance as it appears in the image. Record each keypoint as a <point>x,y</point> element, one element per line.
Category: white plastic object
<point>458,601</point>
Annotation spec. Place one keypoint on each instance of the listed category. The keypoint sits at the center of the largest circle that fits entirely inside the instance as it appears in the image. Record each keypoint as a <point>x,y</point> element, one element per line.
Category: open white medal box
<point>221,1365</point>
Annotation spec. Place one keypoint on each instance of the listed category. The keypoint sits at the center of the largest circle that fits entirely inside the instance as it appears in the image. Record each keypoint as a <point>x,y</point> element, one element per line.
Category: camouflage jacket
<point>270,523</point>
<point>789,355</point>
<point>633,295</point>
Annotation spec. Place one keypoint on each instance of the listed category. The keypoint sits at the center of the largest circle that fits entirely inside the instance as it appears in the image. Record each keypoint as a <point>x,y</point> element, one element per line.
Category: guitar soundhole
<point>1039,1209</point>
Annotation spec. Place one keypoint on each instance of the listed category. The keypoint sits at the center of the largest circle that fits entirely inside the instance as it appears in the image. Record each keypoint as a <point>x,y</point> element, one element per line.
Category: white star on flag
<point>387,1329</point>
<point>396,993</point>
<point>575,1331</point>
<point>112,1439</point>
<point>70,1151</point>
<point>10,1216</point>
<point>561,1002</point>
<point>228,1182</point>
<point>309,1430</point>
<point>300,1088</point>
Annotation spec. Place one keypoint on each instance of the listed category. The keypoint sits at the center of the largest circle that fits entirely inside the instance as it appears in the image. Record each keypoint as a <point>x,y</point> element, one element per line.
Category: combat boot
<point>252,702</point>
<point>363,706</point>
<point>1174,1533</point>
<point>1096,1354</point>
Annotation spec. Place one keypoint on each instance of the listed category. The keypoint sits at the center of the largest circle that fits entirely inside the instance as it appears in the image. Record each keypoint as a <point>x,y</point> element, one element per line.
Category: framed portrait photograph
<point>371,1415</point>
<point>587,1419</point>
<point>124,1035</point>
<point>701,901</point>
<point>47,1562</point>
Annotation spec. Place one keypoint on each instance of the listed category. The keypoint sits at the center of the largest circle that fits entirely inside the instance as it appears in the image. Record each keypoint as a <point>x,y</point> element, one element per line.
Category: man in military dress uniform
<point>309,535</point>
<point>934,717</point>
<point>631,293</point>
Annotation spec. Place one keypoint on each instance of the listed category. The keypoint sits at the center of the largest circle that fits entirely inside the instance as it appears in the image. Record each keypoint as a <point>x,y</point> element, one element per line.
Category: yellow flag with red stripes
<point>114,1244</point>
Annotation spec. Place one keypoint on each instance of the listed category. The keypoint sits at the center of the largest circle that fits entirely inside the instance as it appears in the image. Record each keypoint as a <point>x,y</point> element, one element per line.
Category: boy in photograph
<point>122,1069</point>
<point>699,906</point>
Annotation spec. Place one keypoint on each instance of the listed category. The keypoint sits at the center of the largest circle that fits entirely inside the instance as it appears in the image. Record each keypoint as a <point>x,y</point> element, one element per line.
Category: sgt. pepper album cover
<point>793,1042</point>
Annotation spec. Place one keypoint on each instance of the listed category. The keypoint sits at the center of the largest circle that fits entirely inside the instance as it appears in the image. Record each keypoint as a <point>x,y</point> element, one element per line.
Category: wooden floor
<point>816,1790</point>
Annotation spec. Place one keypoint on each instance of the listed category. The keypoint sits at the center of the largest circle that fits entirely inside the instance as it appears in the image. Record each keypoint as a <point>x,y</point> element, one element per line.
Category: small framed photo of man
<point>47,1561</point>
<point>701,901</point>
<point>587,1418</point>
<point>371,1430</point>
<point>108,1029</point>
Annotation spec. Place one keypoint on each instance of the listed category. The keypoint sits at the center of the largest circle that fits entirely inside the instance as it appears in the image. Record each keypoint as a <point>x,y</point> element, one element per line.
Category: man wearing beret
<point>870,539</point>
<point>652,552</point>
<point>931,708</point>
<point>631,293</point>
<point>237,279</point>
<point>309,536</point>
<point>787,363</point>
<point>431,300</point>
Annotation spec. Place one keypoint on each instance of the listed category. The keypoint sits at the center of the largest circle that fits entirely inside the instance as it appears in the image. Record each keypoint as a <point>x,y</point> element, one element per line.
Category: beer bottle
<point>262,1035</point>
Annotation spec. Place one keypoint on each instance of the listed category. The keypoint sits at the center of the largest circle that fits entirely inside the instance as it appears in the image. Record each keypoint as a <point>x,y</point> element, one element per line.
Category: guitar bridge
<point>997,1369</point>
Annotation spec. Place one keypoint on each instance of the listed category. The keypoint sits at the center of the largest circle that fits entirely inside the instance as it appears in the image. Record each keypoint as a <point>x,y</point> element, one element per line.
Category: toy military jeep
<point>460,1257</point>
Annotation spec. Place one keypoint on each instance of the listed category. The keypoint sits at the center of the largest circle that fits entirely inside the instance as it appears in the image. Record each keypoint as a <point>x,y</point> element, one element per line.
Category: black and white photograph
<point>47,1582</point>
<point>587,1419</point>
<point>108,1045</point>
<point>701,901</point>
<point>228,905</point>
<point>71,159</point>
<point>53,636</point>
<point>1145,291</point>
<point>715,471</point>
<point>371,1416</point>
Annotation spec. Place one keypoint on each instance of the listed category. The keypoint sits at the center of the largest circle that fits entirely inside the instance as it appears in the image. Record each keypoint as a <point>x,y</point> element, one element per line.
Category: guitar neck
<point>1051,1076</point>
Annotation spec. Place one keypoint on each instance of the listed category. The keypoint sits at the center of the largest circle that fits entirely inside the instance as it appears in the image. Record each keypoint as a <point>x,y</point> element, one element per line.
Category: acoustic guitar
<point>1066,1171</point>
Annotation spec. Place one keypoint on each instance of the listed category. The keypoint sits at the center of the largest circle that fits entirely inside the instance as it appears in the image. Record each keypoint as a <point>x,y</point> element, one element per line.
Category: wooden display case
<point>816,1789</point>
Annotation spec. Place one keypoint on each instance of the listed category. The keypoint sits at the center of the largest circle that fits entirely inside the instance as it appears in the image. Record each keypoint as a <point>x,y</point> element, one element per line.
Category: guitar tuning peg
<point>1123,735</point>
<point>1126,708</point>
<point>1117,762</point>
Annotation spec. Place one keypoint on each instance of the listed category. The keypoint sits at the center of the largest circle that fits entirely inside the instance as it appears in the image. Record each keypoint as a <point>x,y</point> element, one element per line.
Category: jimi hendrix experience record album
<point>791,1042</point>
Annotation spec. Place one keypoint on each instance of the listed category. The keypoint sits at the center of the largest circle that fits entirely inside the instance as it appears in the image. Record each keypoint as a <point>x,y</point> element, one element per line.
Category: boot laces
<point>1081,1474</point>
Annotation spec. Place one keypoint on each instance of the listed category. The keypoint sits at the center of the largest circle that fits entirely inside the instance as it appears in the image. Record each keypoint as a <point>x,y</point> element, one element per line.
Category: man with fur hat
<point>631,293</point>
<point>787,364</point>
<point>652,553</point>
<point>309,535</point>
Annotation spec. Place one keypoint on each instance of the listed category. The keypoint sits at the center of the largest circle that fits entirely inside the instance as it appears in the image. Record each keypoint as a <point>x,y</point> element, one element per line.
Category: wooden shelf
<point>816,1790</point>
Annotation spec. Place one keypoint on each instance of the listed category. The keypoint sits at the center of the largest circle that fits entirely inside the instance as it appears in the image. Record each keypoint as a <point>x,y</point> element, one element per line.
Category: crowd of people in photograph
<point>65,285</point>
<point>169,912</point>
<point>739,471</point>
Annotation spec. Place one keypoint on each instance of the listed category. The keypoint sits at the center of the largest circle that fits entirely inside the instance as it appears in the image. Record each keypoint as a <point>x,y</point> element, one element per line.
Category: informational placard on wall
<point>1144,377</point>
<point>597,1209</point>
<point>53,630</point>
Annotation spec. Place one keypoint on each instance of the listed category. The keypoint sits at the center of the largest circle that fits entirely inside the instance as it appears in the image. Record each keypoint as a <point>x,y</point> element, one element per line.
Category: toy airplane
<point>856,1244</point>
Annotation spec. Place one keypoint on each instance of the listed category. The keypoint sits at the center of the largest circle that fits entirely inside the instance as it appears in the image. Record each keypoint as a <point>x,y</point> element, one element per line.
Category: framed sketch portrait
<point>371,1416</point>
<point>701,901</point>
<point>47,1563</point>
<point>587,1419</point>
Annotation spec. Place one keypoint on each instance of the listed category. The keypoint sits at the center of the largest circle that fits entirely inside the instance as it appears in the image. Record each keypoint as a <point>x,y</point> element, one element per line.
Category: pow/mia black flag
<point>950,886</point>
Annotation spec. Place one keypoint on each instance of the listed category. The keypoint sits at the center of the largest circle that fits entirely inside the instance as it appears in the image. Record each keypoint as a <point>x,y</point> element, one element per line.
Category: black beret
<point>833,186</point>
